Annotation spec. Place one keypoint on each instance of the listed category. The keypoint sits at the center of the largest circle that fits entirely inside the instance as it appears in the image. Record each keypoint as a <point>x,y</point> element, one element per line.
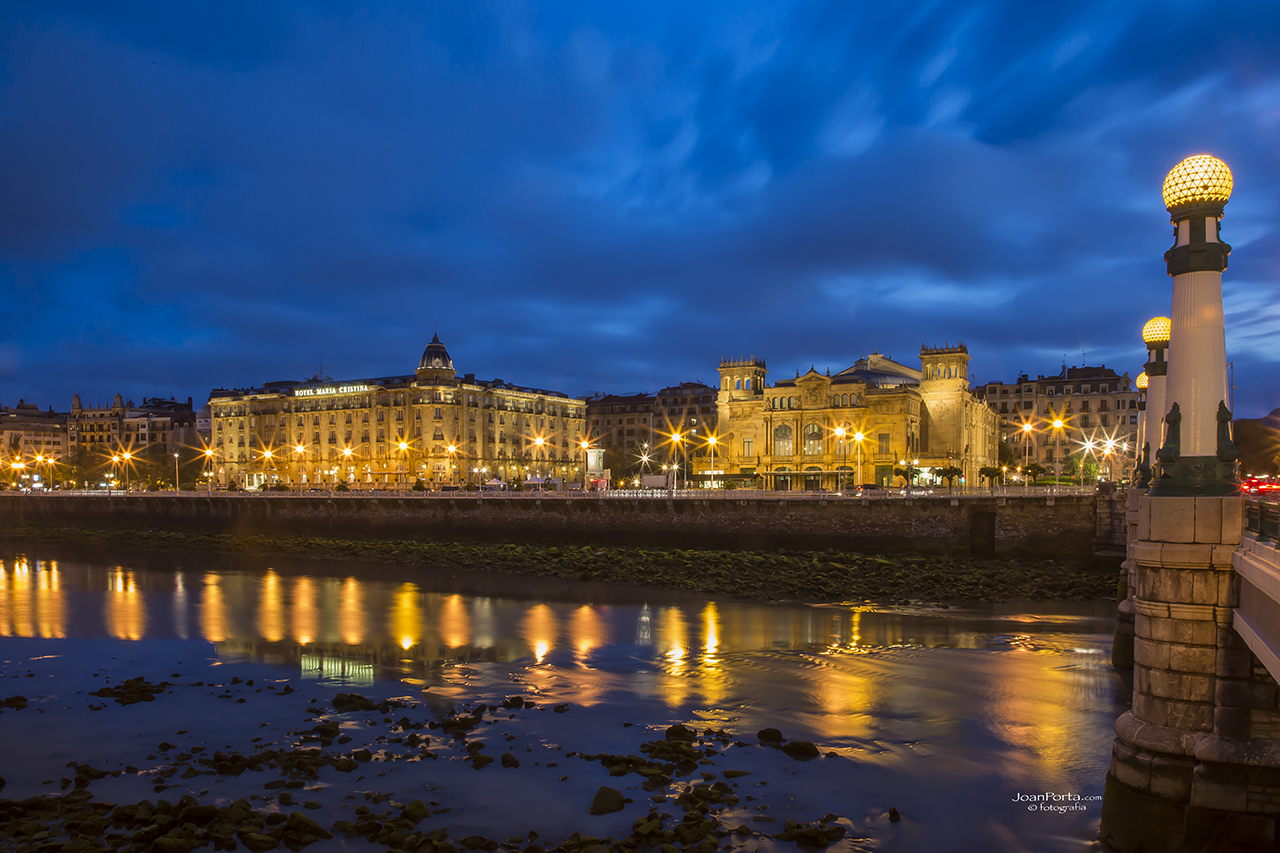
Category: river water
<point>952,716</point>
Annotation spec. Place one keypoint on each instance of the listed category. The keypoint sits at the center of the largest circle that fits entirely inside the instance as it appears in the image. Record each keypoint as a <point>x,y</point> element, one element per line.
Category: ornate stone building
<point>1098,408</point>
<point>823,431</point>
<point>388,432</point>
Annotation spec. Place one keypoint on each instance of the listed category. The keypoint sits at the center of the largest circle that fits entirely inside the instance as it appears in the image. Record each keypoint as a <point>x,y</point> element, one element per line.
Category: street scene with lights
<point>748,430</point>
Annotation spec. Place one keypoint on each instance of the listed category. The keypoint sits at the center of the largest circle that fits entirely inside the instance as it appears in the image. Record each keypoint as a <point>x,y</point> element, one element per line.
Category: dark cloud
<point>612,198</point>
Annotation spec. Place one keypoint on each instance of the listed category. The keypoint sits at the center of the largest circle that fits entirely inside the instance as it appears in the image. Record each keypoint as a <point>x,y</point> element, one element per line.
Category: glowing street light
<point>711,442</point>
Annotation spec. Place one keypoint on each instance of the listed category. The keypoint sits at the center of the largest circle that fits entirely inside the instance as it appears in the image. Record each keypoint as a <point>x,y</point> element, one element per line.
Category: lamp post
<point>676,438</point>
<point>857,438</point>
<point>403,474</point>
<point>301,463</point>
<point>208,458</point>
<point>175,472</point>
<point>711,443</point>
<point>346,453</point>
<point>452,467</point>
<point>127,458</point>
<point>1057,454</point>
<point>538,442</point>
<point>585,445</point>
<point>1026,449</point>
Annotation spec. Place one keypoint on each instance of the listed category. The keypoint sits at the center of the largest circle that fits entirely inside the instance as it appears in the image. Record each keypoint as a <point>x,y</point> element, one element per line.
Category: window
<point>882,445</point>
<point>1106,420</point>
<point>748,447</point>
<point>1103,389</point>
<point>1133,419</point>
<point>1049,392</point>
<point>438,435</point>
<point>812,440</point>
<point>782,444</point>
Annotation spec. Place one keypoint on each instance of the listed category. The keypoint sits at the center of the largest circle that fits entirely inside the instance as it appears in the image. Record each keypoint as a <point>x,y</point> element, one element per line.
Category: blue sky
<point>596,197</point>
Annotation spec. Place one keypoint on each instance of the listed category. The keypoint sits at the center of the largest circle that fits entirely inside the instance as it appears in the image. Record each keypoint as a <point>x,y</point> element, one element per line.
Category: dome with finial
<point>1199,179</point>
<point>1142,381</point>
<point>435,356</point>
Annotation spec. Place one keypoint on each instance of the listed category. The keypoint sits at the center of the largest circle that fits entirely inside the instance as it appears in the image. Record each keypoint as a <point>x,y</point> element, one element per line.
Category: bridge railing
<point>1262,519</point>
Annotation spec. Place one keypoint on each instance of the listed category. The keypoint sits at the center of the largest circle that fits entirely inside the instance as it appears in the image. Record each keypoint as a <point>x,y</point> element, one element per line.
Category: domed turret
<point>1142,381</point>
<point>435,366</point>
<point>435,356</point>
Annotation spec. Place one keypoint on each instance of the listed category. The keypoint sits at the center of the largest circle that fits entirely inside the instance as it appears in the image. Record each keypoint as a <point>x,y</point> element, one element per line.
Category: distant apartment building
<point>1098,408</point>
<point>32,443</point>
<point>123,426</point>
<point>639,428</point>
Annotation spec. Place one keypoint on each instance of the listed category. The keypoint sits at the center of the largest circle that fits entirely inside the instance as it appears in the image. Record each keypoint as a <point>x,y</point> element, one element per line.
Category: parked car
<point>451,488</point>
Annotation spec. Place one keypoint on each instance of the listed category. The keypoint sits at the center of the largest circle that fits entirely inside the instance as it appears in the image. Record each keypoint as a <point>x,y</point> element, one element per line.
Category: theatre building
<point>388,432</point>
<point>819,431</point>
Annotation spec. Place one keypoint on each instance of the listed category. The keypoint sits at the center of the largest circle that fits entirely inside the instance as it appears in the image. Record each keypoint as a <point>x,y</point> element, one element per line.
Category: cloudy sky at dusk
<point>587,197</point>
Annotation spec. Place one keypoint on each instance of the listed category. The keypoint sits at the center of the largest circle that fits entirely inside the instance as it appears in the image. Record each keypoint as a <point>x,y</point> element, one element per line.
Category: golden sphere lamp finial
<point>1156,331</point>
<point>1199,179</point>
<point>1142,381</point>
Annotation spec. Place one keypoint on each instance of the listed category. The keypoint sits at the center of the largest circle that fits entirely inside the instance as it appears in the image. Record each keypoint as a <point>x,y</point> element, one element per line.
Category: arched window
<point>782,443</point>
<point>844,399</point>
<point>812,439</point>
<point>737,385</point>
<point>791,402</point>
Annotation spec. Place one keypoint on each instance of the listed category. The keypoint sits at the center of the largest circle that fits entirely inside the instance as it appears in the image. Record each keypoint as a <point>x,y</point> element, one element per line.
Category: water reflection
<point>368,628</point>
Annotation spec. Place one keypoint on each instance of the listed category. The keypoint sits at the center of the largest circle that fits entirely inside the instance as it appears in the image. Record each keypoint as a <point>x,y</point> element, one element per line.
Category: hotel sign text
<point>330,389</point>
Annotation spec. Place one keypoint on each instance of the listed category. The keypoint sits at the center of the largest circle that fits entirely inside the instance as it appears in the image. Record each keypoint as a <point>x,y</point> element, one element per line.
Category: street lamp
<point>857,438</point>
<point>127,457</point>
<point>175,472</point>
<point>1057,454</point>
<point>538,442</point>
<point>585,445</point>
<point>452,467</point>
<point>403,474</point>
<point>208,458</point>
<point>676,438</point>
<point>711,442</point>
<point>346,453</point>
<point>1026,446</point>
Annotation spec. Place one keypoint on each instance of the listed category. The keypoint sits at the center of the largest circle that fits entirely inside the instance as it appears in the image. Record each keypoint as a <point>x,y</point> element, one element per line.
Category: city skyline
<point>612,200</point>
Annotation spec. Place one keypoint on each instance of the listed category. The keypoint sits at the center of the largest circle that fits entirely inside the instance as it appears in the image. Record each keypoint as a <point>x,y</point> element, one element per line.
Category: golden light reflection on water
<point>455,625</point>
<point>538,628</point>
<point>587,631</point>
<point>271,608</point>
<point>305,620</point>
<point>406,616</point>
<point>32,601</point>
<point>351,615</point>
<point>213,610</point>
<point>126,610</point>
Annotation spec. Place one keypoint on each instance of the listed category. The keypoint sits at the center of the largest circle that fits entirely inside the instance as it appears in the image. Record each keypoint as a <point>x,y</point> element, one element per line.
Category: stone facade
<point>1196,763</point>
<point>431,425</point>
<point>802,433</point>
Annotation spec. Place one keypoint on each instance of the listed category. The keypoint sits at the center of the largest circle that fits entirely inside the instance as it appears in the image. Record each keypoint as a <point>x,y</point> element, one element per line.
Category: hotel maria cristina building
<point>388,432</point>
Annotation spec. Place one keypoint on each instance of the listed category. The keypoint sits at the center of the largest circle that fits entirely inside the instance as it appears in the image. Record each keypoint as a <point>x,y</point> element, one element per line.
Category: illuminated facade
<point>389,432</point>
<point>32,442</point>
<point>823,431</point>
<point>1095,404</point>
<point>103,430</point>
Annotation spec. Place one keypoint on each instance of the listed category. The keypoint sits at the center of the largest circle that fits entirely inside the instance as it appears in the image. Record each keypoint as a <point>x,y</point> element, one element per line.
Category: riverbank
<point>828,575</point>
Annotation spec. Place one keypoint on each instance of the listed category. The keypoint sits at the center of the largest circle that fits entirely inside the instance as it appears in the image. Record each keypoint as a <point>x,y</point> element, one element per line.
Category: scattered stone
<point>607,800</point>
<point>801,750</point>
<point>16,703</point>
<point>770,735</point>
<point>509,760</point>
<point>132,691</point>
<point>894,817</point>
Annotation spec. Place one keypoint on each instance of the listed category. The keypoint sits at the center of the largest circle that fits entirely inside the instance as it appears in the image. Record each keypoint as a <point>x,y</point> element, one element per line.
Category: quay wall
<point>1061,525</point>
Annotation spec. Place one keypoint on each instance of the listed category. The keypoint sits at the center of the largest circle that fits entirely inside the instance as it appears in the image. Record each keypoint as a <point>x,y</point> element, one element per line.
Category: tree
<point>1035,471</point>
<point>949,474</point>
<point>908,474</point>
<point>990,473</point>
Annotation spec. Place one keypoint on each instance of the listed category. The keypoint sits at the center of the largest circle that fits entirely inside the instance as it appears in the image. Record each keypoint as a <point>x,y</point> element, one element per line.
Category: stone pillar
<point>1196,764</point>
<point>1196,456</point>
